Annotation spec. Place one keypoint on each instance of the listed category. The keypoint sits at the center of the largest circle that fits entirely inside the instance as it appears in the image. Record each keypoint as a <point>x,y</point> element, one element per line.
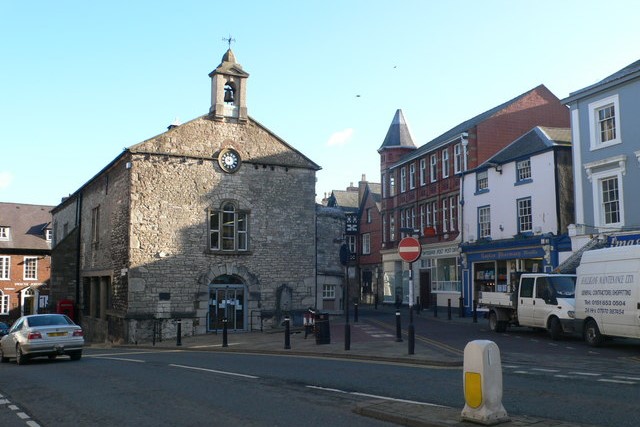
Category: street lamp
<point>344,260</point>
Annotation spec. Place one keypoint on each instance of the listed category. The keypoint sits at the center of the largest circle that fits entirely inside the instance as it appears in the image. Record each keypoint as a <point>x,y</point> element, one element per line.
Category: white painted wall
<point>502,197</point>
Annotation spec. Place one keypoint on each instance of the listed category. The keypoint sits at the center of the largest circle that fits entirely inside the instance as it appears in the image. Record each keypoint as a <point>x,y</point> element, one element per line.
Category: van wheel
<point>495,325</point>
<point>592,333</point>
<point>555,329</point>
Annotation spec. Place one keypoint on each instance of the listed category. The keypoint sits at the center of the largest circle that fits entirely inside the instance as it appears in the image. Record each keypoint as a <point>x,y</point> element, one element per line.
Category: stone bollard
<point>482,379</point>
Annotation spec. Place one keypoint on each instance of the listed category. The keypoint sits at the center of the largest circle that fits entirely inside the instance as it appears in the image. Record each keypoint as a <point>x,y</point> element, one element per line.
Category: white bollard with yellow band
<point>483,383</point>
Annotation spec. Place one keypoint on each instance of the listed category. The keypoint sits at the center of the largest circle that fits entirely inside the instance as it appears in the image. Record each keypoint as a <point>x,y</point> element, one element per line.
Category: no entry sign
<point>409,249</point>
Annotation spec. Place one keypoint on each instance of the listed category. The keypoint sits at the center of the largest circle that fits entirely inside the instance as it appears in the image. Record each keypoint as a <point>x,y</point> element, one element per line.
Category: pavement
<point>370,340</point>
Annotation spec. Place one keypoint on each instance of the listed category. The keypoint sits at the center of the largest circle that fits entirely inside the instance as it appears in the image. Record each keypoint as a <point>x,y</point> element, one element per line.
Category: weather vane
<point>228,40</point>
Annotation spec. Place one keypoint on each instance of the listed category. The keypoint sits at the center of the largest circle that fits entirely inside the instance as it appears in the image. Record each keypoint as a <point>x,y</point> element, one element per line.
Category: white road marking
<point>586,374</point>
<point>604,380</point>
<point>23,415</point>
<point>396,400</point>
<point>335,390</point>
<point>214,371</point>
<point>545,370</point>
<point>373,396</point>
<point>121,359</point>
<point>621,377</point>
<point>32,423</point>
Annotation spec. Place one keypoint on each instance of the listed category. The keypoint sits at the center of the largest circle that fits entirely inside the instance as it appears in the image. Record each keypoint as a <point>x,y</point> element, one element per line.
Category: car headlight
<point>571,314</point>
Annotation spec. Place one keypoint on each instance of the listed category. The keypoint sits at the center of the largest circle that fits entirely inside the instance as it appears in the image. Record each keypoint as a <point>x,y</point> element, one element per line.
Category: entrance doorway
<point>227,301</point>
<point>425,289</point>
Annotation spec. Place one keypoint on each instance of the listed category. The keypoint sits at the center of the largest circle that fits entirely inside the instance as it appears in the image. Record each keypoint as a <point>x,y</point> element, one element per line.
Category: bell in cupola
<point>228,94</point>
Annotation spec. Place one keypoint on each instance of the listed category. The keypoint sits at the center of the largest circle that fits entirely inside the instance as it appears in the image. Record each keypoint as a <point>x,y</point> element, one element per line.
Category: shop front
<point>494,266</point>
<point>436,277</point>
<point>439,276</point>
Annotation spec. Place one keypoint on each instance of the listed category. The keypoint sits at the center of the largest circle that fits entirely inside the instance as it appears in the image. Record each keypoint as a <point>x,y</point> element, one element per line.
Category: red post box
<point>65,306</point>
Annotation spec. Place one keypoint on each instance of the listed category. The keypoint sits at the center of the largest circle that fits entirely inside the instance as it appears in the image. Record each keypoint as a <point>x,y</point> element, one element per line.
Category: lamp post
<point>344,260</point>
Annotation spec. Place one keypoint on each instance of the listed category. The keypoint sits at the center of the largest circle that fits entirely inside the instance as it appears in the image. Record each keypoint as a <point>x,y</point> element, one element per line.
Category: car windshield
<point>565,286</point>
<point>49,320</point>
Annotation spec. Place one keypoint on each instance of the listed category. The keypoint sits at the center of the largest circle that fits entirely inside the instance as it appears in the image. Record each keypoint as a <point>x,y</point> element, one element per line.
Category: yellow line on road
<point>425,340</point>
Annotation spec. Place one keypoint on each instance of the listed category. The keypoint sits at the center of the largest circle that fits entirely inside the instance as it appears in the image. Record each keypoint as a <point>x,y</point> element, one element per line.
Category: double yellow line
<point>433,343</point>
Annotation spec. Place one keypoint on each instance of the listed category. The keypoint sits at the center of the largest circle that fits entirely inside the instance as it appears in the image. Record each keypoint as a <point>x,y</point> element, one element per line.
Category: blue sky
<point>82,80</point>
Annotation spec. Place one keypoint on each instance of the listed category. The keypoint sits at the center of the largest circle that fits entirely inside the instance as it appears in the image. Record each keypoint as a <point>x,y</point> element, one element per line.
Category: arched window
<point>228,229</point>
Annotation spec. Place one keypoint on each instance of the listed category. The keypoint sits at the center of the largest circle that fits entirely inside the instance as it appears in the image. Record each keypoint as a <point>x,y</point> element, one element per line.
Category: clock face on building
<point>229,160</point>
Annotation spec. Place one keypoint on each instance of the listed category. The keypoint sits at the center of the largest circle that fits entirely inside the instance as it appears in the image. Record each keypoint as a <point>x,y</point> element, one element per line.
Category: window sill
<point>523,182</point>
<point>481,192</point>
<point>221,252</point>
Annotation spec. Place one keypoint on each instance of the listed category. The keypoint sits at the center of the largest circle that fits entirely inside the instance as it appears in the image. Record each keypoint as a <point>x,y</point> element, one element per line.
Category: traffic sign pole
<point>410,250</point>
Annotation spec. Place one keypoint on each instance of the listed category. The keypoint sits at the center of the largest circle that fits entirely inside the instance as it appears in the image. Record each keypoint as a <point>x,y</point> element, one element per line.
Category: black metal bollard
<point>475,311</point>
<point>287,333</point>
<point>225,342</point>
<point>398,328</point>
<point>449,308</point>
<point>179,332</point>
<point>411,331</point>
<point>461,306</point>
<point>375,301</point>
<point>418,305</point>
<point>347,337</point>
<point>435,309</point>
<point>355,313</point>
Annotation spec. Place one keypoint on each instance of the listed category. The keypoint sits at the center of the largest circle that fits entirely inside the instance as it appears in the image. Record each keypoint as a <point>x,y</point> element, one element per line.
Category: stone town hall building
<point>213,219</point>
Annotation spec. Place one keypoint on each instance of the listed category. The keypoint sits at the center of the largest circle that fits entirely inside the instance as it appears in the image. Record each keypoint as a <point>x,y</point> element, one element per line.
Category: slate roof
<point>628,72</point>
<point>347,200</point>
<point>398,134</point>
<point>537,140</point>
<point>375,193</point>
<point>27,226</point>
<point>463,127</point>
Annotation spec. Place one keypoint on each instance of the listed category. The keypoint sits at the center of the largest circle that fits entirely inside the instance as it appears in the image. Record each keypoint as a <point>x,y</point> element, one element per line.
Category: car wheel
<point>592,334</point>
<point>21,359</point>
<point>76,355</point>
<point>555,329</point>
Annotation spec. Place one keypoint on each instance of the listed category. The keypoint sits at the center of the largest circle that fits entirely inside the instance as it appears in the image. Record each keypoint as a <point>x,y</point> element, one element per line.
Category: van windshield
<point>564,286</point>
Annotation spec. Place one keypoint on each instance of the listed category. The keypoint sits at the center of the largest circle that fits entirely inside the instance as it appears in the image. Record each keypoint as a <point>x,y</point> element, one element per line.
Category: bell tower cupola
<point>229,90</point>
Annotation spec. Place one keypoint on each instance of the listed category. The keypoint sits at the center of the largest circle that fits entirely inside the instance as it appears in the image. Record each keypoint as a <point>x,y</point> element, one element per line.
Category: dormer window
<point>48,234</point>
<point>5,233</point>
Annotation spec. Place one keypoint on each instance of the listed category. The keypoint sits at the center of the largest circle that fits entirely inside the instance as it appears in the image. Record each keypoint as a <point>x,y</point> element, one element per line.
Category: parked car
<point>4,329</point>
<point>39,335</point>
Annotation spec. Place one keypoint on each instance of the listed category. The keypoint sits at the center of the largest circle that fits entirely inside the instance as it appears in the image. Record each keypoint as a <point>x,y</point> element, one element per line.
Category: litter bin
<point>322,329</point>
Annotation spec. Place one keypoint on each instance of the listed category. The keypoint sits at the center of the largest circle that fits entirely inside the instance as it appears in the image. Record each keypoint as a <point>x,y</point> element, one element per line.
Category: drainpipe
<point>78,246</point>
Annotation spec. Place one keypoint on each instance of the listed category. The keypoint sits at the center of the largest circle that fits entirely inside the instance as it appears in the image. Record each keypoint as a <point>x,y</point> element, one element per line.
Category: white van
<point>608,294</point>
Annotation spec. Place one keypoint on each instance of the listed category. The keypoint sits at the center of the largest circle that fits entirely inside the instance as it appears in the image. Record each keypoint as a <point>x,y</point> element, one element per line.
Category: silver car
<point>39,335</point>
